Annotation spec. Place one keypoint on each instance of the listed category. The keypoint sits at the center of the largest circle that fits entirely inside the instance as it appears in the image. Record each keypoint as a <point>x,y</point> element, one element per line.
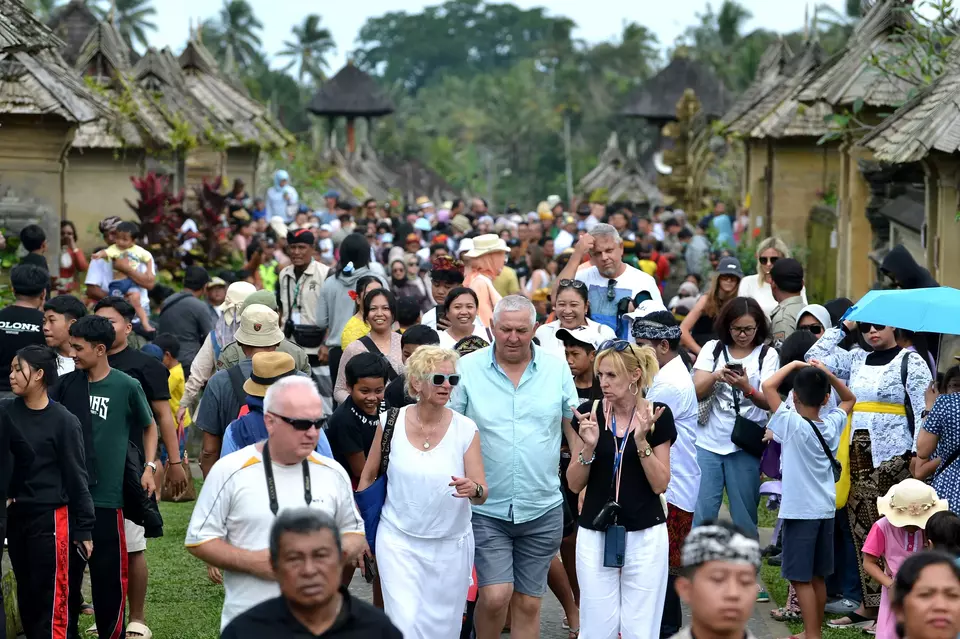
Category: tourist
<point>52,511</point>
<point>243,233</point>
<point>100,273</point>
<point>572,310</point>
<point>609,281</point>
<point>425,545</point>
<point>59,314</point>
<point>487,260</point>
<point>355,327</point>
<point>379,311</point>
<point>884,381</point>
<point>446,273</point>
<point>460,309</point>
<point>299,292</point>
<point>518,530</point>
<point>395,395</point>
<point>223,398</point>
<point>939,439</point>
<point>814,319</point>
<point>405,284</point>
<point>567,235</point>
<point>758,286</point>
<point>21,323</point>
<point>720,567</point>
<point>250,428</point>
<point>281,198</point>
<point>699,326</point>
<point>904,272</point>
<point>728,372</point>
<point>786,284</point>
<point>230,525</point>
<point>629,438</point>
<point>539,277</point>
<point>306,559</point>
<point>186,316</point>
<point>926,597</point>
<point>232,353</point>
<point>18,453</point>
<point>72,260</point>
<point>674,387</point>
<point>216,295</point>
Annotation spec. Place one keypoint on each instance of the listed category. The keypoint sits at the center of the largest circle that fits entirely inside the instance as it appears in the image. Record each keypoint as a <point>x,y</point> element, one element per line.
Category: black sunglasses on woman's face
<point>768,260</point>
<point>816,329</point>
<point>866,327</point>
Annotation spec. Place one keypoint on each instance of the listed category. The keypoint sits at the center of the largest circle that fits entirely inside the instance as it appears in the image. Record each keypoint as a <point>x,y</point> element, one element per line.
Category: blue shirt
<point>253,424</point>
<point>809,491</point>
<point>520,430</point>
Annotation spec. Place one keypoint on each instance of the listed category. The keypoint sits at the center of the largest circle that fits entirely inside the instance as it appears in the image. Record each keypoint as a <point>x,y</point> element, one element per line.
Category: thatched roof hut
<point>656,101</point>
<point>351,93</point>
<point>73,23</point>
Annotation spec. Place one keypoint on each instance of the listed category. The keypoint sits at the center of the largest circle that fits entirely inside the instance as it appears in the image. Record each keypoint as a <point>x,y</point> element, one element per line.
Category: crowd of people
<point>554,400</point>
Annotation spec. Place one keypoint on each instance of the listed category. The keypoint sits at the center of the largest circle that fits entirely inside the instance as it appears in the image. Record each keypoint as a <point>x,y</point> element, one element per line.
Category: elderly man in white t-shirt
<point>230,525</point>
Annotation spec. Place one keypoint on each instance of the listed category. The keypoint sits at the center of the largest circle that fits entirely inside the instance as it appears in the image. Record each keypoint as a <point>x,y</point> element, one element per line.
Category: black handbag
<point>308,336</point>
<point>747,434</point>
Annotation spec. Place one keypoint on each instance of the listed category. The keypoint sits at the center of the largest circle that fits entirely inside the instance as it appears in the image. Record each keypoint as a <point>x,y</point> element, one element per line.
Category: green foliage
<point>43,9</point>
<point>235,29</point>
<point>309,49</point>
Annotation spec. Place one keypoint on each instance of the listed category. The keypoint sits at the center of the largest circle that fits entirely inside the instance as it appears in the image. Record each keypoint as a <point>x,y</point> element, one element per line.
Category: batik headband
<point>717,543</point>
<point>645,329</point>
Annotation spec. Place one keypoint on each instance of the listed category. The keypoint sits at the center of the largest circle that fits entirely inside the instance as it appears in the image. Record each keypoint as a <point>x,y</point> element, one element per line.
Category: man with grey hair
<point>307,558</point>
<point>522,399</point>
<point>243,493</point>
<point>609,281</point>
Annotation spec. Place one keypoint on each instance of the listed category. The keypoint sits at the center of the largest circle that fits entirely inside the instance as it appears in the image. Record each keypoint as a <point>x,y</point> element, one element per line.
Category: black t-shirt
<point>395,394</point>
<point>590,393</point>
<point>19,327</point>
<point>350,431</point>
<point>639,507</point>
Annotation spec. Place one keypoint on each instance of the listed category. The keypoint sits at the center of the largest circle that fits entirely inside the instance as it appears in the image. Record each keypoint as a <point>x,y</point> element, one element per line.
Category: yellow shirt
<point>507,283</point>
<point>177,384</point>
<point>353,330</point>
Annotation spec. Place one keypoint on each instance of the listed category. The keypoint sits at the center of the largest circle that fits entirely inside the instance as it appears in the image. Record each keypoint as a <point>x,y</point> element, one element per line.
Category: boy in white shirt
<point>809,496</point>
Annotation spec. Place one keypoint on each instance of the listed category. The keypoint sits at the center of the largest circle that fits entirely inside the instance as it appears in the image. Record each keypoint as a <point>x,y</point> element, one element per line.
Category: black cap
<point>195,278</point>
<point>300,236</point>
<point>787,274</point>
<point>583,208</point>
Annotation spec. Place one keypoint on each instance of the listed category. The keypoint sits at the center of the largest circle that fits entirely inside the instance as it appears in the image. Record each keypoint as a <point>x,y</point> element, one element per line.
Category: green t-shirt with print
<point>117,404</point>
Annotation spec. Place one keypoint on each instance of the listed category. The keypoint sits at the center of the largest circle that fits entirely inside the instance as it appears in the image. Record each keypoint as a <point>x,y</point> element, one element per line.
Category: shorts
<point>119,288</point>
<point>807,549</point>
<point>136,542</point>
<point>518,554</point>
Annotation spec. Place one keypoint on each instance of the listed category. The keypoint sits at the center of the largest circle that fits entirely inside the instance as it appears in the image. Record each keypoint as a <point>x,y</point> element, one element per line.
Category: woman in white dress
<point>460,309</point>
<point>571,308</point>
<point>424,544</point>
<point>758,286</point>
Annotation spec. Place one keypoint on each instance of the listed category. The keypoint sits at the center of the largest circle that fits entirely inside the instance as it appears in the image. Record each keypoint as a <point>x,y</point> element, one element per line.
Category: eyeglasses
<point>618,345</point>
<point>768,260</point>
<point>866,327</point>
<point>437,379</point>
<point>611,289</point>
<point>572,284</point>
<point>303,424</point>
<point>743,330</point>
<point>816,329</point>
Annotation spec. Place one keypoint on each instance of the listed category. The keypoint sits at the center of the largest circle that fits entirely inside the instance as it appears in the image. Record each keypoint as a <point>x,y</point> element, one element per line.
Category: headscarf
<point>279,176</point>
<point>229,320</point>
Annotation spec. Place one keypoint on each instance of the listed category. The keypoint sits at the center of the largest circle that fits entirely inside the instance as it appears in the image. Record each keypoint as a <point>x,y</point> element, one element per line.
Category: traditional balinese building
<point>73,23</point>
<point>42,103</point>
<point>618,177</point>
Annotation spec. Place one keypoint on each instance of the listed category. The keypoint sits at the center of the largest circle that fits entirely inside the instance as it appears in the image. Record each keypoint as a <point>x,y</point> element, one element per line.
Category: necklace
<point>426,437</point>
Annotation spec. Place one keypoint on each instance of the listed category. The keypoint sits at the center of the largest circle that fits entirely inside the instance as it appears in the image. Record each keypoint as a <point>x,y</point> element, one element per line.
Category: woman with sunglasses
<point>814,319</point>
<point>758,286</point>
<point>883,423</point>
<point>571,308</point>
<point>379,311</point>
<point>460,309</point>
<point>622,462</point>
<point>425,542</point>
<point>697,327</point>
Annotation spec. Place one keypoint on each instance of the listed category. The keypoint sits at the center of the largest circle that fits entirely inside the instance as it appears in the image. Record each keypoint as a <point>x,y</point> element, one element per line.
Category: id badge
<point>295,317</point>
<point>614,546</point>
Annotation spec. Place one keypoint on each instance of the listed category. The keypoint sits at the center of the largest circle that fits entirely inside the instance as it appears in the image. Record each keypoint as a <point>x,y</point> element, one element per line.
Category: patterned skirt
<point>866,485</point>
<point>679,523</point>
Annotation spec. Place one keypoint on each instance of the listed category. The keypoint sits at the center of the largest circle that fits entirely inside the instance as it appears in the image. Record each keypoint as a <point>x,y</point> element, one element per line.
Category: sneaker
<point>762,595</point>
<point>841,606</point>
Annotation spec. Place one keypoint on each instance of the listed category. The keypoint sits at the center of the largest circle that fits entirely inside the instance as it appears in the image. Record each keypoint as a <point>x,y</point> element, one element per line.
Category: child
<point>34,241</point>
<point>125,247</point>
<point>943,532</point>
<point>580,347</point>
<point>809,492</point>
<point>905,511</point>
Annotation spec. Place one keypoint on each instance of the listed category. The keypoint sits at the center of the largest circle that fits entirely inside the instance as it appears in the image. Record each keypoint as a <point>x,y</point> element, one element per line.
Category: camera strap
<point>618,449</point>
<point>272,485</point>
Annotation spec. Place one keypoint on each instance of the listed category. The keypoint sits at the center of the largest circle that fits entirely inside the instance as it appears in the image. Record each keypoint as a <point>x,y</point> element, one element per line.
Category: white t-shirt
<point>430,319</point>
<point>447,340</point>
<point>753,286</point>
<point>547,334</point>
<point>631,282</point>
<point>100,274</point>
<point>809,491</point>
<point>563,241</point>
<point>188,226</point>
<point>234,506</point>
<point>65,365</point>
<point>673,386</point>
<point>715,436</point>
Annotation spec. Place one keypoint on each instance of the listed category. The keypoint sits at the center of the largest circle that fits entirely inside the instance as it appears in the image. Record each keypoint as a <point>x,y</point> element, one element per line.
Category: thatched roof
<point>744,115</point>
<point>657,99</point>
<point>621,176</point>
<point>849,75</point>
<point>73,23</point>
<point>352,94</point>
<point>784,115</point>
<point>21,31</point>
<point>104,52</point>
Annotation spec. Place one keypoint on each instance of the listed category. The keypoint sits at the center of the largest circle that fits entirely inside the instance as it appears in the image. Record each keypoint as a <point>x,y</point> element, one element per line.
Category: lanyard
<point>272,486</point>
<point>618,454</point>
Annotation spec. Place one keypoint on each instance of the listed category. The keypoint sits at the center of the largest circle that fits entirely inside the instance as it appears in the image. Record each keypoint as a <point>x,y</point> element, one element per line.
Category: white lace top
<point>889,434</point>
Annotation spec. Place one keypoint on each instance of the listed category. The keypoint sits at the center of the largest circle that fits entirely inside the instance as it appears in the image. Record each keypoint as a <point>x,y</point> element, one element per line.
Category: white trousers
<point>627,601</point>
<point>424,582</point>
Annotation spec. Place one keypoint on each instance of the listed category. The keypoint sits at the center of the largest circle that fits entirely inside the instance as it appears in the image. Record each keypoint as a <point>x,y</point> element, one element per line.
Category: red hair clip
<point>353,295</point>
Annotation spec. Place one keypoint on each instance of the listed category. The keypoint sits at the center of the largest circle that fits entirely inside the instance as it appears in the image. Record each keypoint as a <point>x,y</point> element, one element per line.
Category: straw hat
<point>910,503</point>
<point>267,369</point>
<point>259,327</point>
<point>489,243</point>
<point>236,294</point>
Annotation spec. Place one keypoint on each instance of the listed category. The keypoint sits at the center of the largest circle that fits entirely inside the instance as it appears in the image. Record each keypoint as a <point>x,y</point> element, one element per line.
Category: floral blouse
<point>889,434</point>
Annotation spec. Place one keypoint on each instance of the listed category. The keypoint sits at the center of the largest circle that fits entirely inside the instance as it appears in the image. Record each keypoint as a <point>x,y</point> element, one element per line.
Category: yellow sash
<point>843,452</point>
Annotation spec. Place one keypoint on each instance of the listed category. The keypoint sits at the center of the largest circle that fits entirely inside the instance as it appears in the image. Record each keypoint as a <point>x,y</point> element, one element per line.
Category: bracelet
<point>751,392</point>
<point>584,462</point>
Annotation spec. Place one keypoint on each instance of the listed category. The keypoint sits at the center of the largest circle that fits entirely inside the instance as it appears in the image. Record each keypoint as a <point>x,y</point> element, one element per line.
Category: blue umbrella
<point>922,310</point>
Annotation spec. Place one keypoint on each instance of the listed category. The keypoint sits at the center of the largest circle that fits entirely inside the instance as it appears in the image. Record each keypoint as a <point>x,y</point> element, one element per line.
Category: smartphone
<point>441,314</point>
<point>369,569</point>
<point>736,367</point>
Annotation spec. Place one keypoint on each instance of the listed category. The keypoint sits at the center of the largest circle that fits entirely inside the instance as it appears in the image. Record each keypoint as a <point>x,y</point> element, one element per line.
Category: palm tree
<point>43,9</point>
<point>237,26</point>
<point>309,48</point>
<point>730,21</point>
<point>133,18</point>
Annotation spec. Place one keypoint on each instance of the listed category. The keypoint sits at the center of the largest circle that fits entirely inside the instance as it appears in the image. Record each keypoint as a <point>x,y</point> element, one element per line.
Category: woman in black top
<point>623,461</point>
<point>698,326</point>
<point>52,515</point>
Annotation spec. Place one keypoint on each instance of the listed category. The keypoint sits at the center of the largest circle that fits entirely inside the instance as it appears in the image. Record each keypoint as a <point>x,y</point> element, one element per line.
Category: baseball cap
<point>730,266</point>
<point>588,335</point>
<point>301,236</point>
<point>259,327</point>
<point>553,200</point>
<point>583,209</point>
<point>216,281</point>
<point>331,194</point>
<point>787,274</point>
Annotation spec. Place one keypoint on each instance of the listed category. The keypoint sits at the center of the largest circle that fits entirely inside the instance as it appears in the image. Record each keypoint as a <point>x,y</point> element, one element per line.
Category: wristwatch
<point>152,466</point>
<point>479,493</point>
<point>646,452</point>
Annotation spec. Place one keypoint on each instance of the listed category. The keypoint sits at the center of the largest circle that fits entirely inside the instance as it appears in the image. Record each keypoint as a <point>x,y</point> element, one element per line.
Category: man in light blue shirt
<point>521,398</point>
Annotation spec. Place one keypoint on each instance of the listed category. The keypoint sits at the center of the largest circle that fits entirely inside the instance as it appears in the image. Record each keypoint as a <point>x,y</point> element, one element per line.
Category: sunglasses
<point>611,289</point>
<point>437,379</point>
<point>618,345</point>
<point>743,330</point>
<point>866,327</point>
<point>303,424</point>
<point>572,284</point>
<point>816,329</point>
<point>768,260</point>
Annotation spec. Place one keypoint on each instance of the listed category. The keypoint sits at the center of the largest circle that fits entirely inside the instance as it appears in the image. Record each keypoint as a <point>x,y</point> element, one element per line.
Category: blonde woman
<point>425,540</point>
<point>758,286</point>
<point>623,462</point>
<point>487,259</point>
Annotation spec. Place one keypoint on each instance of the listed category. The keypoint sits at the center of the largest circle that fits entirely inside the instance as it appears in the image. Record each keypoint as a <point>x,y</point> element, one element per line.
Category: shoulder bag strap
<point>167,307</point>
<point>237,380</point>
<point>823,442</point>
<point>907,406</point>
<point>369,344</point>
<point>385,441</point>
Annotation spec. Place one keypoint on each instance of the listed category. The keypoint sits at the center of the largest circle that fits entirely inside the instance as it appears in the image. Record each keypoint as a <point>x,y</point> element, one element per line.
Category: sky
<point>597,20</point>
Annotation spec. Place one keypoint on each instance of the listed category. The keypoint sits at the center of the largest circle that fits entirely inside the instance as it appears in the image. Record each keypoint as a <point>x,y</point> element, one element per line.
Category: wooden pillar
<point>931,206</point>
<point>860,272</point>
<point>351,135</point>
<point>947,239</point>
<point>843,224</point>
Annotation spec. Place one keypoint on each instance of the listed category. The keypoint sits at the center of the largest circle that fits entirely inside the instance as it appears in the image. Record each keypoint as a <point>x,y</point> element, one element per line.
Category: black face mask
<point>398,282</point>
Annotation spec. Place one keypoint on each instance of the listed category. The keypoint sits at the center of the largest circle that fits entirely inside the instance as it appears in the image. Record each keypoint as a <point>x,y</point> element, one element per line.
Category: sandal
<point>852,620</point>
<point>784,615</point>
<point>136,630</point>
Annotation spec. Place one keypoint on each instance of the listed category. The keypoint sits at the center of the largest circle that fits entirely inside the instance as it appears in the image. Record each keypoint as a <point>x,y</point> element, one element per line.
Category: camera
<point>607,515</point>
